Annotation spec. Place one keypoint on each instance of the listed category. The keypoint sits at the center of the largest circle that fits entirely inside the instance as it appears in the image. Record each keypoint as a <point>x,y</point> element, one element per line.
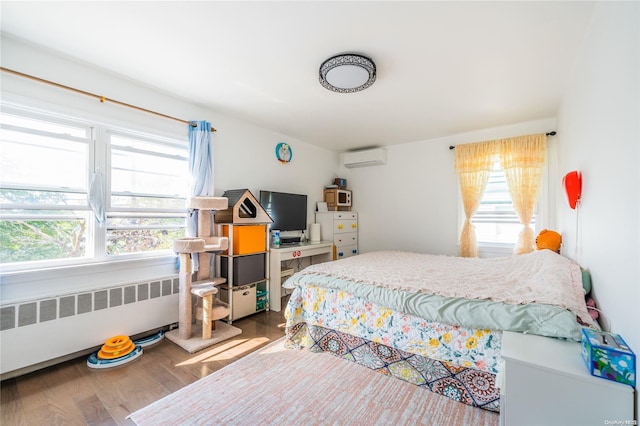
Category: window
<point>496,221</point>
<point>146,195</point>
<point>47,164</point>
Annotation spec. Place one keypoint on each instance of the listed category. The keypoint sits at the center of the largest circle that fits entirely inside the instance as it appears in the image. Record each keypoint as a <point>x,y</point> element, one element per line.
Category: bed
<point>435,321</point>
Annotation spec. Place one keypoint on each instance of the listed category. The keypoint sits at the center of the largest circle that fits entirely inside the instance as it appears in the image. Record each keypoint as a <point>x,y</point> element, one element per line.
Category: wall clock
<point>284,153</point>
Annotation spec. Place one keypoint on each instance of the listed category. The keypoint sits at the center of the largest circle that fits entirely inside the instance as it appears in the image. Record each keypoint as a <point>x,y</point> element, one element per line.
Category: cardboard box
<point>608,356</point>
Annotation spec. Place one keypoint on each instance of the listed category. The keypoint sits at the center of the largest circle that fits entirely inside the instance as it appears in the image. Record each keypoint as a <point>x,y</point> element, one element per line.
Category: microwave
<point>337,199</point>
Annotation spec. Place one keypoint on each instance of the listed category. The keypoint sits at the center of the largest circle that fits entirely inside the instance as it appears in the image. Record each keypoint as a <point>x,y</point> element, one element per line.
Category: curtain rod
<point>551,133</point>
<point>101,98</point>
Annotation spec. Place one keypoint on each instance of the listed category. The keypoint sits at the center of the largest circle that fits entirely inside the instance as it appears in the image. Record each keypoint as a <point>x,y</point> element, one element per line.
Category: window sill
<point>24,285</point>
<point>495,249</point>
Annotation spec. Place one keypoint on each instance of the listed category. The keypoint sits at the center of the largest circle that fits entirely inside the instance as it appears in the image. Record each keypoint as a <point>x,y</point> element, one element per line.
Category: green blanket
<point>534,318</point>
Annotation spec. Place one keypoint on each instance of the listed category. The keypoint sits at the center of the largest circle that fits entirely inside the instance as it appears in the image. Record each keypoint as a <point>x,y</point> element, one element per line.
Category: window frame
<point>97,153</point>
<point>123,212</point>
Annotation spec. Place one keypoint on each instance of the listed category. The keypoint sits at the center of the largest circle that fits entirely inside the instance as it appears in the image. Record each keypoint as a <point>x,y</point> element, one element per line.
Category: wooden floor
<point>73,394</point>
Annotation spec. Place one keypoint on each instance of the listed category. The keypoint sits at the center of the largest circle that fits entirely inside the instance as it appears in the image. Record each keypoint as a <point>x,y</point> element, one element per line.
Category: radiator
<point>35,333</point>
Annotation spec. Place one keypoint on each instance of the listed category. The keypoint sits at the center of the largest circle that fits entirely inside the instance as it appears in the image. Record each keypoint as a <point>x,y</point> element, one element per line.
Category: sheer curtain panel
<point>522,159</point>
<point>473,163</point>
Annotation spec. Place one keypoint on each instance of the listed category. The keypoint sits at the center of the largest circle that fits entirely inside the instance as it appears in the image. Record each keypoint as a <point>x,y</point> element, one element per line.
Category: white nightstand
<point>547,383</point>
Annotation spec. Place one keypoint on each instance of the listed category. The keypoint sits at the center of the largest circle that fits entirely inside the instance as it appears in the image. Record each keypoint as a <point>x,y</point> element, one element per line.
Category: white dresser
<point>342,229</point>
<point>546,382</point>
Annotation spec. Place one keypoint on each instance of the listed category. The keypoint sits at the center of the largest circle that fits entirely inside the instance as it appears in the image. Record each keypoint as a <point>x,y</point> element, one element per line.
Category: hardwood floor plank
<point>93,411</point>
<point>12,412</point>
<point>30,391</point>
<point>71,393</point>
<point>61,386</point>
<point>64,411</point>
<point>170,382</point>
<point>9,391</point>
<point>126,389</point>
<point>41,415</point>
<point>168,356</point>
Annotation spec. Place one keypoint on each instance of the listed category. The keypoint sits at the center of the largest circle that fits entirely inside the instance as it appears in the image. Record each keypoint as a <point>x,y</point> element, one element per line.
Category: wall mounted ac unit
<point>367,157</point>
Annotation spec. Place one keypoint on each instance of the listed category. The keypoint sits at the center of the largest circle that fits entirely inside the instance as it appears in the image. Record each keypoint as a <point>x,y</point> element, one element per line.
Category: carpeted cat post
<point>187,247</point>
<point>208,308</point>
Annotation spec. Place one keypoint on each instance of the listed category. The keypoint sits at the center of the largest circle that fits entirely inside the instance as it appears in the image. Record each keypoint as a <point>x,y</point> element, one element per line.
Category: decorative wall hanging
<point>572,183</point>
<point>284,153</point>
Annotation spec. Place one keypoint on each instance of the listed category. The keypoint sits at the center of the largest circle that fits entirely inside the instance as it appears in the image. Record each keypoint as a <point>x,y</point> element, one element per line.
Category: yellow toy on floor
<point>116,347</point>
<point>548,239</point>
<point>118,350</point>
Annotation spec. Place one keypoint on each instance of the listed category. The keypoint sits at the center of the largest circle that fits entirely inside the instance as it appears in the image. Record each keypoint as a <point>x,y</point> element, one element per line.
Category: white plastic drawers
<point>342,229</point>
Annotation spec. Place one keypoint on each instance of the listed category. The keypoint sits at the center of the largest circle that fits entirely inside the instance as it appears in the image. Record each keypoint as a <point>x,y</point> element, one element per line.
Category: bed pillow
<point>586,281</point>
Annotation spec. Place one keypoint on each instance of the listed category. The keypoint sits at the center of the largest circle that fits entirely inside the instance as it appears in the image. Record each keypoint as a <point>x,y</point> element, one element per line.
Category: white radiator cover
<point>39,331</point>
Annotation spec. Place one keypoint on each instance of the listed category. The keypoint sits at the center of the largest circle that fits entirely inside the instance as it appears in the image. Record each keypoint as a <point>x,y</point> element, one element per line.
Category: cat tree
<point>204,246</point>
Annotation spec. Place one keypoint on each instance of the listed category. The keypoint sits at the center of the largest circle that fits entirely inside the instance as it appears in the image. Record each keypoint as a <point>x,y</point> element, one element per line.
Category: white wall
<point>244,154</point>
<point>599,131</point>
<point>244,158</point>
<point>412,202</point>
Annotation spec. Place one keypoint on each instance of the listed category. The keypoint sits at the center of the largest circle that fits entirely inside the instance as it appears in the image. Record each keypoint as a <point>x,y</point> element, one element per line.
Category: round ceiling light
<point>347,73</point>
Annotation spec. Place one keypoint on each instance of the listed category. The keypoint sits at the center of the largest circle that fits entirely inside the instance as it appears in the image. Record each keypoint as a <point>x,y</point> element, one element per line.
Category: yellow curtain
<point>522,159</point>
<point>473,163</point>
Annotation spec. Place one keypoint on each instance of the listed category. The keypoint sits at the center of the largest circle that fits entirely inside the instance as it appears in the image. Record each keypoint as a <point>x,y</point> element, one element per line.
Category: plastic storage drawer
<point>247,238</point>
<point>246,269</point>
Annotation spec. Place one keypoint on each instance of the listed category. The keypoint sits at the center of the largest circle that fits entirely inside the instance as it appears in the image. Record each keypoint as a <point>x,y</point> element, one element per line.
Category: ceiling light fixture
<point>347,73</point>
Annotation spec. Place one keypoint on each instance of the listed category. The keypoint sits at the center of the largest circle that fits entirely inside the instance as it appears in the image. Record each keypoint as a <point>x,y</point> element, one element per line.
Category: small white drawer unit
<point>342,229</point>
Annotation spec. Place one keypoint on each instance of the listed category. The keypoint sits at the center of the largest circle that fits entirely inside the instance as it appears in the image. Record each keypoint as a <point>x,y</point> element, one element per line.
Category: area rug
<point>275,385</point>
<point>222,332</point>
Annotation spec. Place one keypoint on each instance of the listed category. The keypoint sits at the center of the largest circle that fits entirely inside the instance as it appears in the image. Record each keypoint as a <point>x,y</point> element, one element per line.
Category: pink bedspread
<point>538,277</point>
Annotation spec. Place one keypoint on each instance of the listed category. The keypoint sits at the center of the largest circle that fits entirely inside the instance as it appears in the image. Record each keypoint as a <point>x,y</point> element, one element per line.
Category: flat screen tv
<point>288,211</point>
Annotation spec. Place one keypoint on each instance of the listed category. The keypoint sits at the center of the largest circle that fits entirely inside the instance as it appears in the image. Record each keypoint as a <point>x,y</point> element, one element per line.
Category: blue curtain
<point>201,159</point>
<point>200,169</point>
<point>200,173</point>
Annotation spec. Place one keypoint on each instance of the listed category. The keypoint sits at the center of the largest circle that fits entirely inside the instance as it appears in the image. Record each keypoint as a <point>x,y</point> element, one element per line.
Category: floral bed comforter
<point>457,362</point>
<point>343,312</point>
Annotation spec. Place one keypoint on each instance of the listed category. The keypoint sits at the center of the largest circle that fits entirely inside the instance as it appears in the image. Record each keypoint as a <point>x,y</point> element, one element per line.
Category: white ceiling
<point>442,67</point>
